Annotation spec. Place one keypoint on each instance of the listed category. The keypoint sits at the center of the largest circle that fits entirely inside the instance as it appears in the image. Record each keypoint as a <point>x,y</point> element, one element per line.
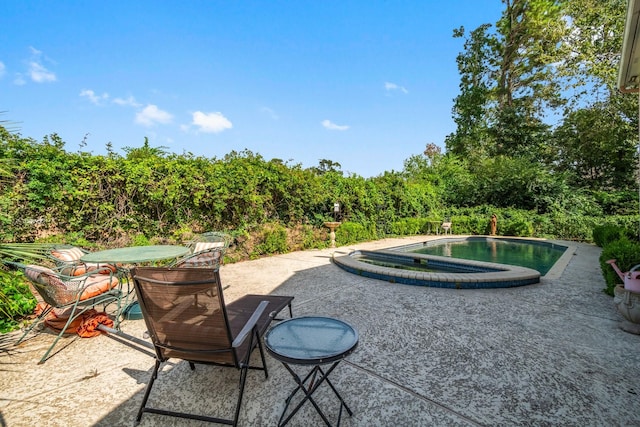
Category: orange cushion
<point>73,255</point>
<point>83,268</point>
<point>97,285</point>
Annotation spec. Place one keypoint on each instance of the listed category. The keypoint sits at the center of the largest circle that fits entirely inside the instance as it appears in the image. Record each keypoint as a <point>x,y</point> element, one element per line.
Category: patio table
<point>311,341</point>
<point>134,255</point>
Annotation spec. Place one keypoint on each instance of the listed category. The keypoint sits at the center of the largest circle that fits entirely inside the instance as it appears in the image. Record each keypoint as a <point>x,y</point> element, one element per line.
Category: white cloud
<point>2,69</point>
<point>328,124</point>
<point>91,96</point>
<point>130,101</point>
<point>392,86</point>
<point>40,74</point>
<point>152,115</point>
<point>36,70</point>
<point>211,122</point>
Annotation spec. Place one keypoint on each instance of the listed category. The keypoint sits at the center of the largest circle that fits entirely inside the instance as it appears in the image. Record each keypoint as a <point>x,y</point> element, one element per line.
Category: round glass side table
<point>312,341</point>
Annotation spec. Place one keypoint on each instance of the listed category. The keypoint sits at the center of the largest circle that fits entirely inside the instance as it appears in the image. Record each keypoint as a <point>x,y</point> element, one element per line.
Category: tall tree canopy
<point>535,83</point>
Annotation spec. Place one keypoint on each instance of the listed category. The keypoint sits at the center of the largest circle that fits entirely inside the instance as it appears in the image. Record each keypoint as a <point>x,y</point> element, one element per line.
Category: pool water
<point>540,256</point>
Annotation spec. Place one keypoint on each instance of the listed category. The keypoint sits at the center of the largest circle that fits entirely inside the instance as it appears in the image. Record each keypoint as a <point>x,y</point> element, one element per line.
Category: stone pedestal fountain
<point>332,225</point>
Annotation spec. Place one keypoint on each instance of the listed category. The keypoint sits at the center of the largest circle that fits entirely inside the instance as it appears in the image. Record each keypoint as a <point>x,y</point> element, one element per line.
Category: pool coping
<point>506,276</point>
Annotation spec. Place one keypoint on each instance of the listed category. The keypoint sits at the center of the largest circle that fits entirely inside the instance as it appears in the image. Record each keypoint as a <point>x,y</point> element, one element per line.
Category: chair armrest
<point>251,323</point>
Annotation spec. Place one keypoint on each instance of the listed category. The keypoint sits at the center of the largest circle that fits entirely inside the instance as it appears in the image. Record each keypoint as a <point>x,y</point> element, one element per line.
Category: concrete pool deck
<point>544,354</point>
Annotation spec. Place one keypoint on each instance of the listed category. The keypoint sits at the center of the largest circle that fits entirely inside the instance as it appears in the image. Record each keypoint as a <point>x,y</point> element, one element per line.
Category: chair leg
<point>36,322</point>
<point>147,391</point>
<point>74,315</point>
<point>243,379</point>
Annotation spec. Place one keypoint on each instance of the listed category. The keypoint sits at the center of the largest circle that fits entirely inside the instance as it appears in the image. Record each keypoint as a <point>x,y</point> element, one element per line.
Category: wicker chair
<point>73,295</point>
<point>187,319</point>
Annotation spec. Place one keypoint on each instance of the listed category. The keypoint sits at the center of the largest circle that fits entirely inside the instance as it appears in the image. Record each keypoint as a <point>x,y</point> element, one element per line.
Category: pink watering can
<point>631,278</point>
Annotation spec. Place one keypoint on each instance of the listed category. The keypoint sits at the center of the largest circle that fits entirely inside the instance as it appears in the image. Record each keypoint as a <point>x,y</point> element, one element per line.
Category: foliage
<point>16,300</point>
<point>351,232</point>
<point>597,145</point>
<point>607,233</point>
<point>590,65</point>
<point>272,240</point>
<point>627,255</point>
<point>508,81</point>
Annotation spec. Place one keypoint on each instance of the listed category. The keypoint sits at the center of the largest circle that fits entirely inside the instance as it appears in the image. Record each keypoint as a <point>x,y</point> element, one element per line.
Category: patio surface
<point>544,355</point>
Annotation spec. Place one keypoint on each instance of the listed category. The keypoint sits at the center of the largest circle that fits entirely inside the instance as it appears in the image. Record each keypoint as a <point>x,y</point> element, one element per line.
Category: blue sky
<point>366,84</point>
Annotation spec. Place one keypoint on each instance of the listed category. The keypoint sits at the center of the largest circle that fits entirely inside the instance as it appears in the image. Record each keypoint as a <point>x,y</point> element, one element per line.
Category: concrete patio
<point>545,355</point>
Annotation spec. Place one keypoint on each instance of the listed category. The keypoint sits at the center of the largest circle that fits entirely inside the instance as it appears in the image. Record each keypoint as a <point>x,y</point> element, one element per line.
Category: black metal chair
<point>187,319</point>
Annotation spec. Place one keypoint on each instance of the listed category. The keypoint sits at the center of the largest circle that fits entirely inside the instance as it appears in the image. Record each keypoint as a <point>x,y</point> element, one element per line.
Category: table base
<point>314,381</point>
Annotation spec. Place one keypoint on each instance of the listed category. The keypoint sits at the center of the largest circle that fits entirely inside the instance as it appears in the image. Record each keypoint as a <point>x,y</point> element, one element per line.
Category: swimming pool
<point>404,265</point>
<point>535,254</point>
<point>476,274</point>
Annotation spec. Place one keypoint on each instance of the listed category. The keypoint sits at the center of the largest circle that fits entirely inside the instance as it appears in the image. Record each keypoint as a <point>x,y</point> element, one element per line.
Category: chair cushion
<point>35,273</point>
<point>86,267</point>
<point>207,259</point>
<point>73,255</point>
<point>67,255</point>
<point>205,246</point>
<point>98,284</point>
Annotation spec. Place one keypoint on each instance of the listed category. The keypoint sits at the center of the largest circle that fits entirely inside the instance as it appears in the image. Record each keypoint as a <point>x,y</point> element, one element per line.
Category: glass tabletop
<point>135,254</point>
<point>311,340</point>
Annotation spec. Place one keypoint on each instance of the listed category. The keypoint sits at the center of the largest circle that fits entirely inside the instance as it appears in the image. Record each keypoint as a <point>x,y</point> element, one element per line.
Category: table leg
<point>129,294</point>
<point>314,383</point>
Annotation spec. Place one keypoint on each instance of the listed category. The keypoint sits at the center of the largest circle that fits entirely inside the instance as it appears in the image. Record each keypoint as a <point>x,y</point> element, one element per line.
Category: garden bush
<point>352,232</point>
<point>16,300</point>
<point>518,228</point>
<point>272,240</point>
<point>605,234</point>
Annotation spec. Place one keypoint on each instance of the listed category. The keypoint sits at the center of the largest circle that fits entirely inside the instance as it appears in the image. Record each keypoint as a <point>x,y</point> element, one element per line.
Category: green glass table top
<point>135,254</point>
<point>311,340</point>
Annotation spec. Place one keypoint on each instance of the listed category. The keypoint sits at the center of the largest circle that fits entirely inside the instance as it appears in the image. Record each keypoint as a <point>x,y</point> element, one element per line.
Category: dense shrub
<point>627,255</point>
<point>605,234</point>
<point>412,226</point>
<point>352,232</point>
<point>16,300</point>
<point>271,240</point>
<point>519,228</point>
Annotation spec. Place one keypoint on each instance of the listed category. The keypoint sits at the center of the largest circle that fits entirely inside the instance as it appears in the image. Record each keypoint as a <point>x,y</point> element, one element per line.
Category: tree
<point>597,145</point>
<point>507,80</point>
<point>325,166</point>
<point>471,106</point>
<point>592,45</point>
